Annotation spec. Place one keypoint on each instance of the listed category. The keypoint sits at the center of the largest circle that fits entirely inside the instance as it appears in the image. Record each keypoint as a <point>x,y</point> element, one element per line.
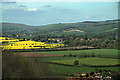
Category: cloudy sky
<point>42,13</point>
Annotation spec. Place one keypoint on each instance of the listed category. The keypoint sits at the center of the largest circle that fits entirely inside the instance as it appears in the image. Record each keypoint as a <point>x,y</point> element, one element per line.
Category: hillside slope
<point>87,27</point>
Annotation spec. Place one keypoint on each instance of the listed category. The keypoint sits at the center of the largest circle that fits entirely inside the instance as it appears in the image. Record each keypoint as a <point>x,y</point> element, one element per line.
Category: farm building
<point>56,39</point>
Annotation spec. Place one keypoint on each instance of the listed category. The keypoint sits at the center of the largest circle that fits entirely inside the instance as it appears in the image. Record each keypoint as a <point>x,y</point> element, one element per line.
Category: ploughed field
<point>34,54</point>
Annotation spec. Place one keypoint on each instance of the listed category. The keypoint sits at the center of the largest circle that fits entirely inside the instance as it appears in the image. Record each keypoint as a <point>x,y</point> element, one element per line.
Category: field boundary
<point>118,65</point>
<point>50,49</point>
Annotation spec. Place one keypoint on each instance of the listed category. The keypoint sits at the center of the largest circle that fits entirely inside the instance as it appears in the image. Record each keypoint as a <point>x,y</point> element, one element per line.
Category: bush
<point>74,55</point>
<point>93,55</point>
<point>99,55</point>
<point>70,55</point>
<point>76,63</point>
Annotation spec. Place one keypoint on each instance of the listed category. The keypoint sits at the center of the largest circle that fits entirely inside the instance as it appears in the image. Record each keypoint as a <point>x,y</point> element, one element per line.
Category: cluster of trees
<point>82,55</point>
<point>110,40</point>
<point>97,43</point>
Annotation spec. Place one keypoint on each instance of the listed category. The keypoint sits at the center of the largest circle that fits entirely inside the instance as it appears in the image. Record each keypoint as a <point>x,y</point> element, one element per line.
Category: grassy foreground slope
<point>14,66</point>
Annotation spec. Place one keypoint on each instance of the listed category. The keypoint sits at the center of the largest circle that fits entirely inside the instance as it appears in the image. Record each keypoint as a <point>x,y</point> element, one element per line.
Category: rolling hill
<point>87,27</point>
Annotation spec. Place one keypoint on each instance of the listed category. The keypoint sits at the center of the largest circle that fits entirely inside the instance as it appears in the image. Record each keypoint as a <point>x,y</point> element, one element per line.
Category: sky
<point>60,0</point>
<point>43,13</point>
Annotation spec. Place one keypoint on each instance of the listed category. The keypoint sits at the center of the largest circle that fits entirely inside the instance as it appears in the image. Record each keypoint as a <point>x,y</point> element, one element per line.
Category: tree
<point>81,76</point>
<point>13,35</point>
<point>70,55</point>
<point>76,62</point>
<point>93,55</point>
<point>6,38</point>
<point>23,39</point>
<point>92,73</point>
<point>87,75</point>
<point>55,41</point>
<point>76,42</point>
<point>99,55</point>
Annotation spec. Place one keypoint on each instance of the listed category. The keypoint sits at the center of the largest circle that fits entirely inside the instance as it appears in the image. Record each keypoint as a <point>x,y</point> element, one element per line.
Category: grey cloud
<point>22,6</point>
<point>63,9</point>
<point>46,6</point>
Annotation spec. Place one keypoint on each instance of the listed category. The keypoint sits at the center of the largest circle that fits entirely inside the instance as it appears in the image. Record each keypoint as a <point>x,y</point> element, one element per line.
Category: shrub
<point>76,63</point>
<point>99,55</point>
<point>70,55</point>
<point>93,55</point>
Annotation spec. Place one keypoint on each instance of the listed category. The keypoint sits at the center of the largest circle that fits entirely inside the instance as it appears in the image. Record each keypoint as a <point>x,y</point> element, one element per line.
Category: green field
<point>58,58</point>
<point>62,70</point>
<point>87,61</point>
<point>90,61</point>
<point>48,59</point>
<point>109,53</point>
<point>69,69</point>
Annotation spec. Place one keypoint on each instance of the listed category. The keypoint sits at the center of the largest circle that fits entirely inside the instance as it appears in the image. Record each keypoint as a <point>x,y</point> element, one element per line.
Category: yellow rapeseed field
<point>16,44</point>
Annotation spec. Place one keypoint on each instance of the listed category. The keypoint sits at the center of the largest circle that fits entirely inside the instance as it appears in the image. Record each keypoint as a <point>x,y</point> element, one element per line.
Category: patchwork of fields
<point>108,57</point>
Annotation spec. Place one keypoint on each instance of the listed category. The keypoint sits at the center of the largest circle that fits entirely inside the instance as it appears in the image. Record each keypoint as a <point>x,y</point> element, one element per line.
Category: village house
<point>56,39</point>
<point>82,39</point>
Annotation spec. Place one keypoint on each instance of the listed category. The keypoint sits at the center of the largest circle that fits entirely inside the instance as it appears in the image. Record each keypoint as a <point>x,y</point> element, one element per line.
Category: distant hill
<point>87,27</point>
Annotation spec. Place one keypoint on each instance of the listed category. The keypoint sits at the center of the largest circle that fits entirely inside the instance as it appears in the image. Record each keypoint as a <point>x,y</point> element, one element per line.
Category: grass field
<point>67,69</point>
<point>58,58</point>
<point>109,53</point>
<point>90,61</point>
